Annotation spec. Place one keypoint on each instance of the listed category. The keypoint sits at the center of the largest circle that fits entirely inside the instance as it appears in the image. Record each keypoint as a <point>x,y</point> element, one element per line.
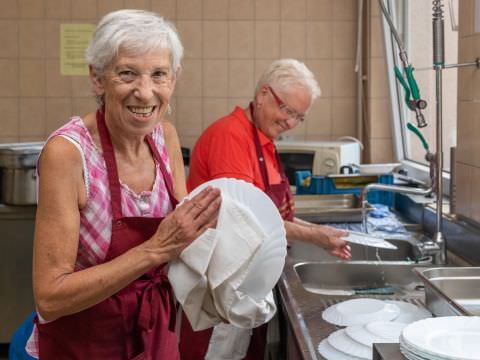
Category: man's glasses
<point>292,114</point>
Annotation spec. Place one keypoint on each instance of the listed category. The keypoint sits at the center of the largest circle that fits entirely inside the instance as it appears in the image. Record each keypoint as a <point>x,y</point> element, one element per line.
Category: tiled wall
<point>468,124</point>
<point>228,43</point>
<point>378,132</point>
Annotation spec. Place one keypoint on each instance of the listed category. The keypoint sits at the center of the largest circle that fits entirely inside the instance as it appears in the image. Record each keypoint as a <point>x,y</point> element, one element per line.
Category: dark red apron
<point>138,322</point>
<point>194,344</point>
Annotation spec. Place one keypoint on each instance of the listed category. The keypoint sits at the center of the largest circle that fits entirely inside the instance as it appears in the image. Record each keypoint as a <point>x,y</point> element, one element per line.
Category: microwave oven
<point>320,157</point>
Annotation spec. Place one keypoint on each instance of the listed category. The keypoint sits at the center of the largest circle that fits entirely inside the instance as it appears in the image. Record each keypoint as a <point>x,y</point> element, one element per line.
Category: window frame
<point>399,109</point>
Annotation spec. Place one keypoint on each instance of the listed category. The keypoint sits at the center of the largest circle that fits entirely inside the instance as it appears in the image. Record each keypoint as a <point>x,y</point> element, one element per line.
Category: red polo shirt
<point>226,149</point>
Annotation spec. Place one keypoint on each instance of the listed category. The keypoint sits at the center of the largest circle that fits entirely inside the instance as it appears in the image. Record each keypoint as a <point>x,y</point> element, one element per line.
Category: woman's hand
<point>331,239</point>
<point>186,223</point>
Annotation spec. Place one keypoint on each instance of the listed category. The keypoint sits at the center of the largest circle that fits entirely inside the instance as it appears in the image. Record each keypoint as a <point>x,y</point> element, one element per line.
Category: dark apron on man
<point>136,323</point>
<point>282,197</point>
<point>194,344</point>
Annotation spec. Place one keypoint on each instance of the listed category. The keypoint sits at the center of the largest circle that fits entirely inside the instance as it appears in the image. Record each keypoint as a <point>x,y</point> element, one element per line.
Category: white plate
<point>415,354</point>
<point>386,329</point>
<point>409,312</point>
<point>412,356</point>
<point>330,353</point>
<point>342,342</point>
<point>270,258</point>
<point>451,337</point>
<point>363,336</point>
<point>368,240</point>
<point>377,168</point>
<point>375,332</point>
<point>360,311</point>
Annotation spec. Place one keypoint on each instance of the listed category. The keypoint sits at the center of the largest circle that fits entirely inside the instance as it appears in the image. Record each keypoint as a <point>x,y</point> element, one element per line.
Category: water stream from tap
<point>379,259</point>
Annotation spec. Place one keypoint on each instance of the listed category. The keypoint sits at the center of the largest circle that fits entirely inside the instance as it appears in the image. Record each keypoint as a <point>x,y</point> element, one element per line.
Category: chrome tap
<point>437,247</point>
<point>391,188</point>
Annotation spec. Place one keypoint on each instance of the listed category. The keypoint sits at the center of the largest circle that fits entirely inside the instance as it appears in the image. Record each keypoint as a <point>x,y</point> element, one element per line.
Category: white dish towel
<point>208,275</point>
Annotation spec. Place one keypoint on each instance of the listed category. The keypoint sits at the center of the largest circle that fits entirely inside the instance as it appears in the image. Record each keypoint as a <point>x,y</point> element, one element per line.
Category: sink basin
<point>452,290</point>
<point>331,208</point>
<point>406,251</point>
<point>341,278</point>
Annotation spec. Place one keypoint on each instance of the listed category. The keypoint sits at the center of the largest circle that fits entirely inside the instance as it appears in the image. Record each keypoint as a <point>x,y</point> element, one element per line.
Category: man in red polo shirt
<point>240,145</point>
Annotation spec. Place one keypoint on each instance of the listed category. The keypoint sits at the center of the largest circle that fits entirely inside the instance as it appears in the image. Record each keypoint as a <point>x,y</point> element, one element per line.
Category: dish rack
<point>307,183</point>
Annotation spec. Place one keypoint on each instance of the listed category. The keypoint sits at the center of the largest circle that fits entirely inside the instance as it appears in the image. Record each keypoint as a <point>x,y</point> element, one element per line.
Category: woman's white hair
<point>286,72</point>
<point>134,30</point>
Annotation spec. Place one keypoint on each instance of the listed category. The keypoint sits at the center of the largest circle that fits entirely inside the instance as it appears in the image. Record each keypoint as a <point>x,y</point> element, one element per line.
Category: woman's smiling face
<point>136,90</point>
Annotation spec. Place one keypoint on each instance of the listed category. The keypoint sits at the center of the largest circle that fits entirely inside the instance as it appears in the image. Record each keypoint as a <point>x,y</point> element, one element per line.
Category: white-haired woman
<point>240,145</point>
<point>107,221</point>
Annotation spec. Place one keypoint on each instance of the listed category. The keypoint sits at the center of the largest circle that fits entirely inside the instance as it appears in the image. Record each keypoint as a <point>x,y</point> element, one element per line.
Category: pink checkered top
<point>96,216</point>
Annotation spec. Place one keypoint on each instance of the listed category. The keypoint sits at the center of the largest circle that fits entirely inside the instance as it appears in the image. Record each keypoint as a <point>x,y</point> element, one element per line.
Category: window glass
<point>414,21</point>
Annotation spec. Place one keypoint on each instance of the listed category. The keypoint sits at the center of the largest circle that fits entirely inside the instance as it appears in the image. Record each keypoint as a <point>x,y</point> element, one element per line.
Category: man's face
<point>281,109</point>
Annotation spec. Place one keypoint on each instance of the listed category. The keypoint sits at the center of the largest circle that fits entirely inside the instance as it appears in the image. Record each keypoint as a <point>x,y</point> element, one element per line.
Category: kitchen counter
<point>303,310</point>
<point>387,352</point>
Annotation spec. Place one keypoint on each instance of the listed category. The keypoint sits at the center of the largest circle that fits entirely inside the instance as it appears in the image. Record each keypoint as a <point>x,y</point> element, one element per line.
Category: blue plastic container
<point>351,184</point>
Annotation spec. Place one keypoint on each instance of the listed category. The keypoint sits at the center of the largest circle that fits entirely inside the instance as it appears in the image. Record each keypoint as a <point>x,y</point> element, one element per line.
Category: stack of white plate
<point>442,338</point>
<point>368,321</point>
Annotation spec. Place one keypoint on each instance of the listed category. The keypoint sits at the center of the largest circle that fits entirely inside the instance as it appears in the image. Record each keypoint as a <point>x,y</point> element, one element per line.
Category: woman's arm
<point>176,159</point>
<point>58,289</point>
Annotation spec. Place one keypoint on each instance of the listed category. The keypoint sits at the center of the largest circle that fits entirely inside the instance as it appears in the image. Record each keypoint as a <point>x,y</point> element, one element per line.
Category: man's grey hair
<point>134,30</point>
<point>283,73</point>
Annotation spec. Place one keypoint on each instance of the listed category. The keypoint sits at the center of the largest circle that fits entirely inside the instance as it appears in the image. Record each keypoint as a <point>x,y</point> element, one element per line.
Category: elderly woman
<point>241,145</point>
<point>107,221</point>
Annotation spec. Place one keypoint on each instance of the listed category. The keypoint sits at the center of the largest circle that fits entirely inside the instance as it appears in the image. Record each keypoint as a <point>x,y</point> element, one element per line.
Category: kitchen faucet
<point>437,246</point>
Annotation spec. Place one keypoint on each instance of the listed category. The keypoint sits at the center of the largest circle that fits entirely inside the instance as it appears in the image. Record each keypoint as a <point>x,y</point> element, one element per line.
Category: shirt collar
<point>264,140</point>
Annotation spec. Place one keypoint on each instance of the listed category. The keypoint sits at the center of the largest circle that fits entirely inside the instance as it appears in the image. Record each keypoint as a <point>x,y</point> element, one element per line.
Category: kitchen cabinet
<point>16,246</point>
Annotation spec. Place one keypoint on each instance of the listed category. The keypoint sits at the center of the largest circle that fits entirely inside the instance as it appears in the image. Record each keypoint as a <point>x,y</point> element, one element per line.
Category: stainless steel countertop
<point>304,310</point>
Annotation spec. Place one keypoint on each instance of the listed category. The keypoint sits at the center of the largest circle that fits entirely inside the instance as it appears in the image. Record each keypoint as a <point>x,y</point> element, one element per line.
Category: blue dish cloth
<point>387,290</point>
<point>379,211</point>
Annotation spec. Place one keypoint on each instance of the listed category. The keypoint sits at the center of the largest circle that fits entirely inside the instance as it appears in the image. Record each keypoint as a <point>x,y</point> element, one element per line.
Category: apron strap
<point>258,148</point>
<point>166,176</point>
<point>263,168</point>
<point>111,164</point>
<point>112,170</point>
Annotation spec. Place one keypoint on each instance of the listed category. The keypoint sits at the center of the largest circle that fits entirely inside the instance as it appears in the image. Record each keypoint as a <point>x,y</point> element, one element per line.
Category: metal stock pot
<point>18,172</point>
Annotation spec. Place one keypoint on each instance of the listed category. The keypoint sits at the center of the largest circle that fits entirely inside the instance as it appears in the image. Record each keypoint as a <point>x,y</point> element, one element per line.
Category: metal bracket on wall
<point>472,63</point>
<point>475,63</point>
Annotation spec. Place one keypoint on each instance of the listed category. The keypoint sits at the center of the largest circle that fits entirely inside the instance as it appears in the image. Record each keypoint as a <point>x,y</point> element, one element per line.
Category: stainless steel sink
<point>338,208</point>
<point>452,290</point>
<point>406,251</point>
<point>342,278</point>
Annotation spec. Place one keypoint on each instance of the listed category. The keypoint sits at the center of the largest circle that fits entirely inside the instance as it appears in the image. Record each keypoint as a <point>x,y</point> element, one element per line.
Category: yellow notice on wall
<point>74,39</point>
